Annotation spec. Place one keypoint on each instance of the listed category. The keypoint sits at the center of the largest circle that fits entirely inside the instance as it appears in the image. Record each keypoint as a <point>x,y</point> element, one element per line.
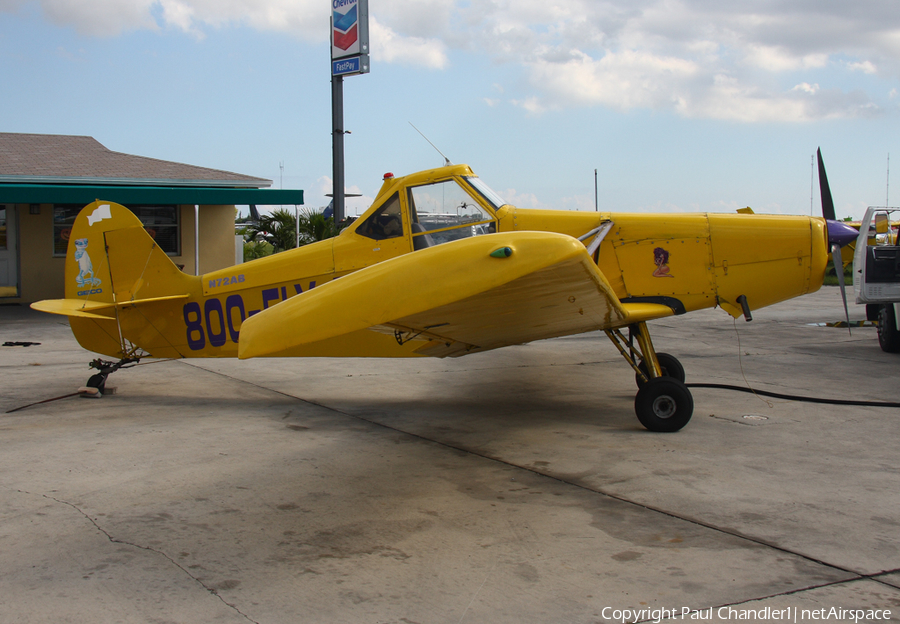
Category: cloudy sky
<point>680,105</point>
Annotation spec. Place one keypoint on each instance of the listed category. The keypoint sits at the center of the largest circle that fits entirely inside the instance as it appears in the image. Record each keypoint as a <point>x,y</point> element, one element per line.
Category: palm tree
<point>315,227</point>
<point>257,249</point>
<point>279,228</point>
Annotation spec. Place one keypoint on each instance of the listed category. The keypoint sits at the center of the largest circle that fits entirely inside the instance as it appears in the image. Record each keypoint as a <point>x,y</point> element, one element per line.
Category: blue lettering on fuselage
<point>215,323</point>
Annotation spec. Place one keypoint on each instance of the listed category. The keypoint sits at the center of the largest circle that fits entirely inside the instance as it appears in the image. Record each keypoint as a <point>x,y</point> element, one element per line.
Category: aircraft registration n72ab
<point>440,266</point>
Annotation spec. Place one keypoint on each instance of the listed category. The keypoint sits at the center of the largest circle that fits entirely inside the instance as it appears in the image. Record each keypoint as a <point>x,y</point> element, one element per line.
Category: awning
<point>146,195</point>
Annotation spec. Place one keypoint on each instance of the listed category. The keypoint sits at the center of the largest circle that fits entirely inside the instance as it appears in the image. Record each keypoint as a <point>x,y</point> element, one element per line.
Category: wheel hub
<point>664,406</point>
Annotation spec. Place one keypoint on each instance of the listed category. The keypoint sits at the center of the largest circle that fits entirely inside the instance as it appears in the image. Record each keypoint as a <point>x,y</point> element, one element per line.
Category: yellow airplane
<point>440,266</point>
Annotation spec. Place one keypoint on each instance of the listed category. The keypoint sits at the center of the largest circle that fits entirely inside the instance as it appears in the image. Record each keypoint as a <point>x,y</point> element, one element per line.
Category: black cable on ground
<point>65,396</point>
<point>121,364</point>
<point>791,397</point>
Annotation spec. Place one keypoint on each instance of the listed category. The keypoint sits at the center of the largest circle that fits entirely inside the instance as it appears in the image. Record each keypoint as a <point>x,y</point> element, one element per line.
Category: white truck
<point>876,273</point>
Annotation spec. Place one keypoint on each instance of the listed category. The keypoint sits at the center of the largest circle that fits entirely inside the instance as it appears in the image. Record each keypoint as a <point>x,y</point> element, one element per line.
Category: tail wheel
<point>888,335</point>
<point>668,364</point>
<point>664,404</point>
<point>97,381</point>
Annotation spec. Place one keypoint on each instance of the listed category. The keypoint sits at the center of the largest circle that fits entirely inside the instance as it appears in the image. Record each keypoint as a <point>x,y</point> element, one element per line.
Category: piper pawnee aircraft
<point>440,266</point>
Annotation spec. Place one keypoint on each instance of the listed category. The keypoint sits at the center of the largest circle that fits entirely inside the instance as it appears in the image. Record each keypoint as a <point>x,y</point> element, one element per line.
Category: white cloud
<point>866,67</point>
<point>521,200</point>
<point>179,15</point>
<point>101,17</point>
<point>307,19</point>
<point>390,47</point>
<point>805,87</point>
<point>624,80</point>
<point>532,105</point>
<point>736,60</point>
<point>781,59</point>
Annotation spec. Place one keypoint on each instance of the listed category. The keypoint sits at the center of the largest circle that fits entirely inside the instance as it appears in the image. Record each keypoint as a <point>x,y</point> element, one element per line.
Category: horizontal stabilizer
<point>75,307</point>
<point>94,309</point>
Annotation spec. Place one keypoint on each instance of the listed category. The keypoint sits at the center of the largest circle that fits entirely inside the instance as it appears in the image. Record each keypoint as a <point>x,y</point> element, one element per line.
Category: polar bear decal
<point>85,275</point>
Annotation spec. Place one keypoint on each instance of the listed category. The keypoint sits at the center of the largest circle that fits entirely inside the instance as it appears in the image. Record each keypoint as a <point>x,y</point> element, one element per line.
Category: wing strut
<point>599,233</point>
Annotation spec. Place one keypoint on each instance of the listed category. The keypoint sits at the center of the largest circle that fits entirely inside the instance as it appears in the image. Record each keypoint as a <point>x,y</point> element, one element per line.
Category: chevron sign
<point>349,28</point>
<point>346,28</point>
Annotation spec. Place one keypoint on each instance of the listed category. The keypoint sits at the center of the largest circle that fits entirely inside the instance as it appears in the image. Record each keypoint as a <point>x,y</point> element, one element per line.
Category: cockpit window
<point>386,222</point>
<point>444,211</point>
<point>485,191</point>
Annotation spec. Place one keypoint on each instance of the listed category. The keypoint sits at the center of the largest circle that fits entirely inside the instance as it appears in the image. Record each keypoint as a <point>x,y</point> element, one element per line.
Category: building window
<point>161,222</point>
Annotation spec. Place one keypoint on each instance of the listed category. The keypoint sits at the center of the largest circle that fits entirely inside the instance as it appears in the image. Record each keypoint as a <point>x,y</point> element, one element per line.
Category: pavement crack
<point>790,592</point>
<point>115,540</point>
<point>853,574</point>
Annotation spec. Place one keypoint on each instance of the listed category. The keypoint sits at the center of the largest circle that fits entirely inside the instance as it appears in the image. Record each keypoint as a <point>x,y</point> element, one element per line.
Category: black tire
<point>97,381</point>
<point>872,311</point>
<point>664,404</point>
<point>669,364</point>
<point>888,336</point>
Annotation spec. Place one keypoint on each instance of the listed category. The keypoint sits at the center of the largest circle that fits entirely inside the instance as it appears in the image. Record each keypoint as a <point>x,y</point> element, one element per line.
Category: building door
<point>9,252</point>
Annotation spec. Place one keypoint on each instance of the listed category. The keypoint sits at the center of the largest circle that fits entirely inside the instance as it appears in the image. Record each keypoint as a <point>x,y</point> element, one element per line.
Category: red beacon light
<point>388,176</point>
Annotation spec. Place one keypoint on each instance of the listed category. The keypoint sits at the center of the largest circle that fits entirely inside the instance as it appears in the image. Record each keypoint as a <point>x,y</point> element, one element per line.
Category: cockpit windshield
<point>444,211</point>
<point>485,191</point>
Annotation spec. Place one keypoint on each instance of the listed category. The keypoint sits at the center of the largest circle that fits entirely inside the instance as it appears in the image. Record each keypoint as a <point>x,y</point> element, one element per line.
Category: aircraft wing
<point>470,295</point>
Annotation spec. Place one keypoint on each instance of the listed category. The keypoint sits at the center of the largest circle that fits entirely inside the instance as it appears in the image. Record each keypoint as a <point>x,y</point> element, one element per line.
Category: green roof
<point>145,195</point>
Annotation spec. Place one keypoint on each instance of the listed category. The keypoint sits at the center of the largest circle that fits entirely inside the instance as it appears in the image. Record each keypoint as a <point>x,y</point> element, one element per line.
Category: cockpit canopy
<point>437,212</point>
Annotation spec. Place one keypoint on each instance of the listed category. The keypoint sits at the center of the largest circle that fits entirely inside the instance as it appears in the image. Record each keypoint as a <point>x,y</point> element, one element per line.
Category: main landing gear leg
<point>663,402</point>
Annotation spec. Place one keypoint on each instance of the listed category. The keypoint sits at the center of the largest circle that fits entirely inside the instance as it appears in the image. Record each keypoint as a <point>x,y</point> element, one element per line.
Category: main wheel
<point>664,404</point>
<point>669,365</point>
<point>888,336</point>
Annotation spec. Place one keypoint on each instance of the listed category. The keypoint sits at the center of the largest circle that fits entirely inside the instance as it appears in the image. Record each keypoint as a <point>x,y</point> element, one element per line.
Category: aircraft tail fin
<point>113,262</point>
<point>111,258</point>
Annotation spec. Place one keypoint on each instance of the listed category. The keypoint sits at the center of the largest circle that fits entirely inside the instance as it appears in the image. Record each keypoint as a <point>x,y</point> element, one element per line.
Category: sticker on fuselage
<point>661,260</point>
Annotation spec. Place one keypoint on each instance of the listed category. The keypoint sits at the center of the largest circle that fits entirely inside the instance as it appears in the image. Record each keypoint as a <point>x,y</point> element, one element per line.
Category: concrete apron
<point>513,486</point>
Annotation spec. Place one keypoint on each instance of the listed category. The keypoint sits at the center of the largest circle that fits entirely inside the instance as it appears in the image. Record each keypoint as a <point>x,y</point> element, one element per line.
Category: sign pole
<point>349,57</point>
<point>337,146</point>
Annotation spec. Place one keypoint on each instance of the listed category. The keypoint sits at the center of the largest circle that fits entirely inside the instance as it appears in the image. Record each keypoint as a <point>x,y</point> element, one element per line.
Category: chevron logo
<point>346,28</point>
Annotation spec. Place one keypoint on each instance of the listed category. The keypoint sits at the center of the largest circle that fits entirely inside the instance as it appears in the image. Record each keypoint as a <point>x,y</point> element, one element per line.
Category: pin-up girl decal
<point>661,258</point>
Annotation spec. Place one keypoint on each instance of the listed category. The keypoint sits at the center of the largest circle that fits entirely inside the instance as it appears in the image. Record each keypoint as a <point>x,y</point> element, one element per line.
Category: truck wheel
<point>872,311</point>
<point>888,336</point>
<point>664,404</point>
